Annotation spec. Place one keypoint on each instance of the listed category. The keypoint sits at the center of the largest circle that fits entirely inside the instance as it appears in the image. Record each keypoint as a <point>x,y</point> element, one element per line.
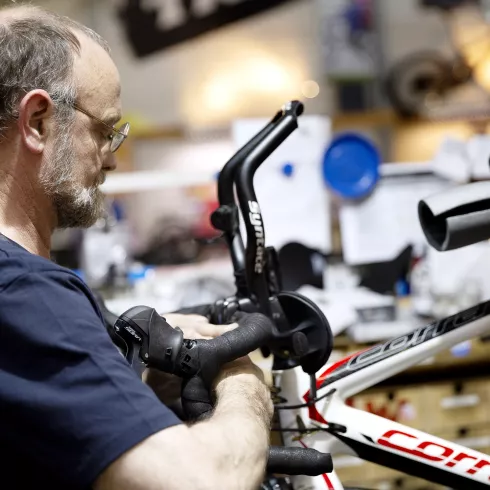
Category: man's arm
<point>227,451</point>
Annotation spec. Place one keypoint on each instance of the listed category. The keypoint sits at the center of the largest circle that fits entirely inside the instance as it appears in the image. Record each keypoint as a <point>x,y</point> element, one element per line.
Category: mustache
<point>101,178</point>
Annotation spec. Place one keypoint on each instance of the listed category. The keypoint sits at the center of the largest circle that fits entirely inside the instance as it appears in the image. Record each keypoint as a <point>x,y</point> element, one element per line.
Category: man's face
<point>79,155</point>
<point>77,204</point>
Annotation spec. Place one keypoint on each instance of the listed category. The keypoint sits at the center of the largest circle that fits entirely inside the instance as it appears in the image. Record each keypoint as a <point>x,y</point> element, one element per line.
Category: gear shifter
<point>137,327</point>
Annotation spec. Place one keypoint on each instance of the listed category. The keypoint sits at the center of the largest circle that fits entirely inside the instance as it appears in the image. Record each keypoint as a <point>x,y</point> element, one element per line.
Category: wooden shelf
<point>388,117</point>
<point>382,117</point>
<point>408,139</point>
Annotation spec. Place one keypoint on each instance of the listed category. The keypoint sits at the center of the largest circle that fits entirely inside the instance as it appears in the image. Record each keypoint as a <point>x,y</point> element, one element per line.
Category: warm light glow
<point>248,81</point>
<point>251,81</point>
<point>310,89</point>
<point>219,93</point>
<point>249,77</point>
<point>482,73</point>
<point>472,41</point>
<point>471,35</point>
<point>266,74</point>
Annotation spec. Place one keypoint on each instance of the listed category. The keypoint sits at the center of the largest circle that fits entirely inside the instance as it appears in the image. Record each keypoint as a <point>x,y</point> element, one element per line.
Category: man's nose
<point>110,162</point>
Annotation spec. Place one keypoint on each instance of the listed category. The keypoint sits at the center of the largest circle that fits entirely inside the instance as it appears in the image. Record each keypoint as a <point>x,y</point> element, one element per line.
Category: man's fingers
<point>197,326</point>
<point>231,327</point>
<point>175,318</point>
<point>210,330</point>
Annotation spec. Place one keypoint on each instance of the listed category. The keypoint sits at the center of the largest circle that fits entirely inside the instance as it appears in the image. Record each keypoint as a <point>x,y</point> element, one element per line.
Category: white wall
<point>79,10</point>
<point>247,69</point>
<point>196,82</point>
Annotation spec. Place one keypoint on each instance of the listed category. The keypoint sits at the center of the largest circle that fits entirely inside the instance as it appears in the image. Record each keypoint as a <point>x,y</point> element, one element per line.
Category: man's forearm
<point>227,451</point>
<point>238,433</point>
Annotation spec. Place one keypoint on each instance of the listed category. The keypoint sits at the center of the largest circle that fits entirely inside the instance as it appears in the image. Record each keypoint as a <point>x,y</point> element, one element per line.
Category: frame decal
<point>392,347</point>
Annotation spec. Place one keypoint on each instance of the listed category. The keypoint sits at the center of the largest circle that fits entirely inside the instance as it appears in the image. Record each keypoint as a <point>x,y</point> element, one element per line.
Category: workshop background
<point>397,106</point>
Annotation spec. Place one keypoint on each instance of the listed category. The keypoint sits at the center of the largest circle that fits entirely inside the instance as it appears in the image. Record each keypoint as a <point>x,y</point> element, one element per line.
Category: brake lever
<point>146,335</point>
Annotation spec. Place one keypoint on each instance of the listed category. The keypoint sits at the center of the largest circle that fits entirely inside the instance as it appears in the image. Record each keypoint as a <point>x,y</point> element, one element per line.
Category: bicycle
<point>450,220</point>
<point>453,219</point>
<point>294,331</point>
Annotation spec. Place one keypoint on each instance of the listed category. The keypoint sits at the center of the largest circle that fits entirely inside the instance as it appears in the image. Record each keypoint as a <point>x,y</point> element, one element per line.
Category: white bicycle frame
<point>346,430</point>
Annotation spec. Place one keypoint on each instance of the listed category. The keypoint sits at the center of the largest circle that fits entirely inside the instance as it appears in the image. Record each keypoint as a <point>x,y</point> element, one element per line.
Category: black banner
<point>187,20</point>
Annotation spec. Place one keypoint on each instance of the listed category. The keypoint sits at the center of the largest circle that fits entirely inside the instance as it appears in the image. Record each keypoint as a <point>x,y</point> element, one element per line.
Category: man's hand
<point>197,326</point>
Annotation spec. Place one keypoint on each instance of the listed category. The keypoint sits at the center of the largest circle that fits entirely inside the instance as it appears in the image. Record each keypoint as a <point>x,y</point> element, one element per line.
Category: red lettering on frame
<point>458,458</point>
<point>423,445</point>
<point>418,451</point>
<point>478,466</point>
<point>385,442</point>
<point>405,440</point>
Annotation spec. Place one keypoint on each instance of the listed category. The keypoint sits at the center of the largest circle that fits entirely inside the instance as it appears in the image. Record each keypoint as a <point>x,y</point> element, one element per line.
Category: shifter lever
<point>137,327</point>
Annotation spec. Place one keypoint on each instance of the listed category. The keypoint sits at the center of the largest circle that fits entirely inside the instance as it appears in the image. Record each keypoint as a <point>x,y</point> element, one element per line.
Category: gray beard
<point>76,206</point>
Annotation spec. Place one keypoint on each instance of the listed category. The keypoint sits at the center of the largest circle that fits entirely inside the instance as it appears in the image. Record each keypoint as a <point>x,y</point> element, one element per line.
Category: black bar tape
<point>298,461</point>
<point>254,331</point>
<point>196,399</point>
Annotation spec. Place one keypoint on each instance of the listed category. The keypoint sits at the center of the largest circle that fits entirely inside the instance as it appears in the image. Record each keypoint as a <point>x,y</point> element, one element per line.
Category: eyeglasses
<point>116,137</point>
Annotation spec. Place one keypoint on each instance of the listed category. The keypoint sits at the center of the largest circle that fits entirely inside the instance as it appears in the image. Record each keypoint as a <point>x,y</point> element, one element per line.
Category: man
<point>74,415</point>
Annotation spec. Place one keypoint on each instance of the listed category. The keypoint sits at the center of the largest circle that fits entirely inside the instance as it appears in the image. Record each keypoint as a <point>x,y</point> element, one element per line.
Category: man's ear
<point>35,113</point>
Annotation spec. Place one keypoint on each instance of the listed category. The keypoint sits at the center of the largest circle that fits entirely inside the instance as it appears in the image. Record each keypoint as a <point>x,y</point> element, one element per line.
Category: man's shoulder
<point>16,262</point>
<point>31,280</point>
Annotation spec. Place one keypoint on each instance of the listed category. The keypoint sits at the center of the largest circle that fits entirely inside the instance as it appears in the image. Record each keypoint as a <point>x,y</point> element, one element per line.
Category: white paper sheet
<point>296,208</point>
<point>478,148</point>
<point>378,228</point>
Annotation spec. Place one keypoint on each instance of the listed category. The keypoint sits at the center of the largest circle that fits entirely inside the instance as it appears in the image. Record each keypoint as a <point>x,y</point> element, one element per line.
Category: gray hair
<point>38,48</point>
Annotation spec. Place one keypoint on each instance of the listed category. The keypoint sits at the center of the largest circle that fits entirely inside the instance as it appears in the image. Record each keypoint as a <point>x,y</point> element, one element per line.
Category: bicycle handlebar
<point>226,179</point>
<point>227,219</point>
<point>457,217</point>
<point>257,271</point>
<point>252,332</point>
<point>255,261</point>
<point>250,267</point>
<point>298,461</point>
<point>154,343</point>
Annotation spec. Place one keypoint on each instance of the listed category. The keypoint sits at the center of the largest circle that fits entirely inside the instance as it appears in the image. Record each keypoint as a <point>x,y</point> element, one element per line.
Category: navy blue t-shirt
<point>69,403</point>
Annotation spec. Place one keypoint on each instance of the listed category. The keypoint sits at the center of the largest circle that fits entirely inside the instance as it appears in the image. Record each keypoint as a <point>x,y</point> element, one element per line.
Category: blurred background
<point>397,107</point>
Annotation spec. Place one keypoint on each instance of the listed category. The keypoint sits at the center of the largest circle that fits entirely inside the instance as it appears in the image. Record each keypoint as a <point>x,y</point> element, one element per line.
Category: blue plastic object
<point>118,211</point>
<point>351,166</point>
<point>137,274</point>
<point>288,169</point>
<point>461,350</point>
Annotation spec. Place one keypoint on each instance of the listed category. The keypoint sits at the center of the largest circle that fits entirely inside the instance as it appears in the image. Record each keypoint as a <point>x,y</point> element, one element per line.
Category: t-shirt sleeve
<point>69,400</point>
